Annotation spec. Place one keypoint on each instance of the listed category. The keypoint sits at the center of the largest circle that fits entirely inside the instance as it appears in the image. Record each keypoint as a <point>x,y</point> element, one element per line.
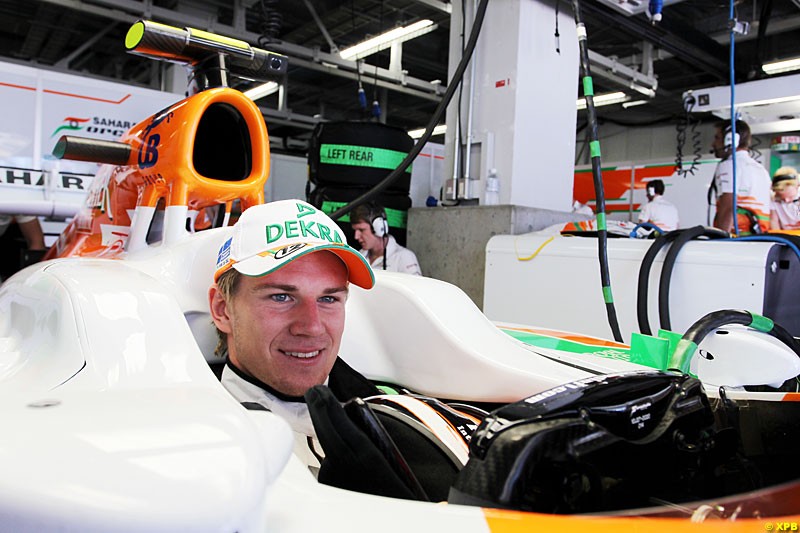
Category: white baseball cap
<point>269,236</point>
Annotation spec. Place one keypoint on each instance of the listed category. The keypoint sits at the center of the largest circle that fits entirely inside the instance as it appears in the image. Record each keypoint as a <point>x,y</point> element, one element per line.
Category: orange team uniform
<point>753,189</point>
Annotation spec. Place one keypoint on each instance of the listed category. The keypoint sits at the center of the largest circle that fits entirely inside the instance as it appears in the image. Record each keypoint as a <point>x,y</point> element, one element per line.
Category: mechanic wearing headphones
<point>753,183</point>
<point>380,248</point>
<point>659,211</point>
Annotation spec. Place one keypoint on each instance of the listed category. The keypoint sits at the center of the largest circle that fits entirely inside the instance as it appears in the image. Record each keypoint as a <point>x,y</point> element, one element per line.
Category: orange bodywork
<point>162,166</point>
<point>500,521</point>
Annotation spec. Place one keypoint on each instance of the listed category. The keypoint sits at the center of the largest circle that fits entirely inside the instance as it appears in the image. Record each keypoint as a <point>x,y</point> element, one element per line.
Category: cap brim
<point>359,271</point>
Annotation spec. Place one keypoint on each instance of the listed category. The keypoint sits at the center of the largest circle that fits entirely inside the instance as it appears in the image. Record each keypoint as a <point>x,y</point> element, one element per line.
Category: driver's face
<point>285,328</point>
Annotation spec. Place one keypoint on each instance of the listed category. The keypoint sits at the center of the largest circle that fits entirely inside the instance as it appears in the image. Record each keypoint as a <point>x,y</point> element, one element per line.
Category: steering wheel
<point>360,455</point>
<point>363,417</point>
<point>687,346</point>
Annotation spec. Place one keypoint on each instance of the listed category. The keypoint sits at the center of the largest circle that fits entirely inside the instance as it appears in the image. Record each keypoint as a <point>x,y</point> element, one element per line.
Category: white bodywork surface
<point>113,420</point>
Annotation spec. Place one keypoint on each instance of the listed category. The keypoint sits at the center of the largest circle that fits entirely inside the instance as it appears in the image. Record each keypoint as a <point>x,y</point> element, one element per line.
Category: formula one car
<point>115,421</point>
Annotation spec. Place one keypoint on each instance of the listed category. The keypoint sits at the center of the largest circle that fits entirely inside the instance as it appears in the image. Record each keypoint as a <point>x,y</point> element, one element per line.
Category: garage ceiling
<point>689,48</point>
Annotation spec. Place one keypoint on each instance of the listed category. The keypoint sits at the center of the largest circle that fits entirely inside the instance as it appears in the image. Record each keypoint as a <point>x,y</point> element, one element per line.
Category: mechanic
<point>784,210</point>
<point>379,247</point>
<point>752,182</point>
<point>278,302</point>
<point>658,210</point>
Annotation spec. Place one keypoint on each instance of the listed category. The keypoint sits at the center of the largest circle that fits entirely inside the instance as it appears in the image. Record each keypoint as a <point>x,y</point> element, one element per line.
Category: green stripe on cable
<point>761,323</point>
<point>609,299</point>
<point>594,148</point>
<point>682,356</point>
<point>601,221</point>
<point>588,87</point>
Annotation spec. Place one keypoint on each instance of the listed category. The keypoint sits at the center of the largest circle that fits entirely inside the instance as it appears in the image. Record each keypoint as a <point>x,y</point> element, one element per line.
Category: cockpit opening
<point>222,149</point>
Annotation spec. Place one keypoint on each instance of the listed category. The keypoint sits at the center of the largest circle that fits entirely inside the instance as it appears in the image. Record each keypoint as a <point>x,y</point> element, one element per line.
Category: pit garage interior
<point>649,65</point>
<point>500,201</point>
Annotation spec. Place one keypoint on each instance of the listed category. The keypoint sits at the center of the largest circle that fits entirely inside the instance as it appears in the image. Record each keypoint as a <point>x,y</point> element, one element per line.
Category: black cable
<point>763,24</point>
<point>755,142</point>
<point>459,163</point>
<point>669,265</point>
<point>270,24</point>
<point>666,272</point>
<point>697,142</point>
<point>360,94</point>
<point>710,195</point>
<point>643,287</point>
<point>376,107</point>
<point>680,138</point>
<point>594,148</point>
<point>437,116</point>
<point>687,123</point>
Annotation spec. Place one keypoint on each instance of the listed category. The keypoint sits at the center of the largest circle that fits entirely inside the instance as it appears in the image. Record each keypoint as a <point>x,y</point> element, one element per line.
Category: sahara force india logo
<point>70,124</point>
<point>106,126</point>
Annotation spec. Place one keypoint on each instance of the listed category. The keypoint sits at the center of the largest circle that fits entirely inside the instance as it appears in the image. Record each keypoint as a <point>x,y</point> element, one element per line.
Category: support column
<point>524,113</point>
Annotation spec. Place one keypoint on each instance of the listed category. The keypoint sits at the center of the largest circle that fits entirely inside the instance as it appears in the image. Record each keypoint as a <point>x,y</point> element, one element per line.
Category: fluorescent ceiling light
<point>626,105</point>
<point>385,40</point>
<point>781,66</point>
<point>438,130</point>
<point>647,91</point>
<point>261,91</point>
<point>605,99</point>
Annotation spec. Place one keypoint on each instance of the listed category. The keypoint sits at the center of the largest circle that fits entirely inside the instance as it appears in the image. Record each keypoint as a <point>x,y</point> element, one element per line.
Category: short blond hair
<point>227,284</point>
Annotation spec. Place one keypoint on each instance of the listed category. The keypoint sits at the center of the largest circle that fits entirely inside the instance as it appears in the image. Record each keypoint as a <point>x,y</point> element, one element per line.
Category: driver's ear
<point>220,311</point>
